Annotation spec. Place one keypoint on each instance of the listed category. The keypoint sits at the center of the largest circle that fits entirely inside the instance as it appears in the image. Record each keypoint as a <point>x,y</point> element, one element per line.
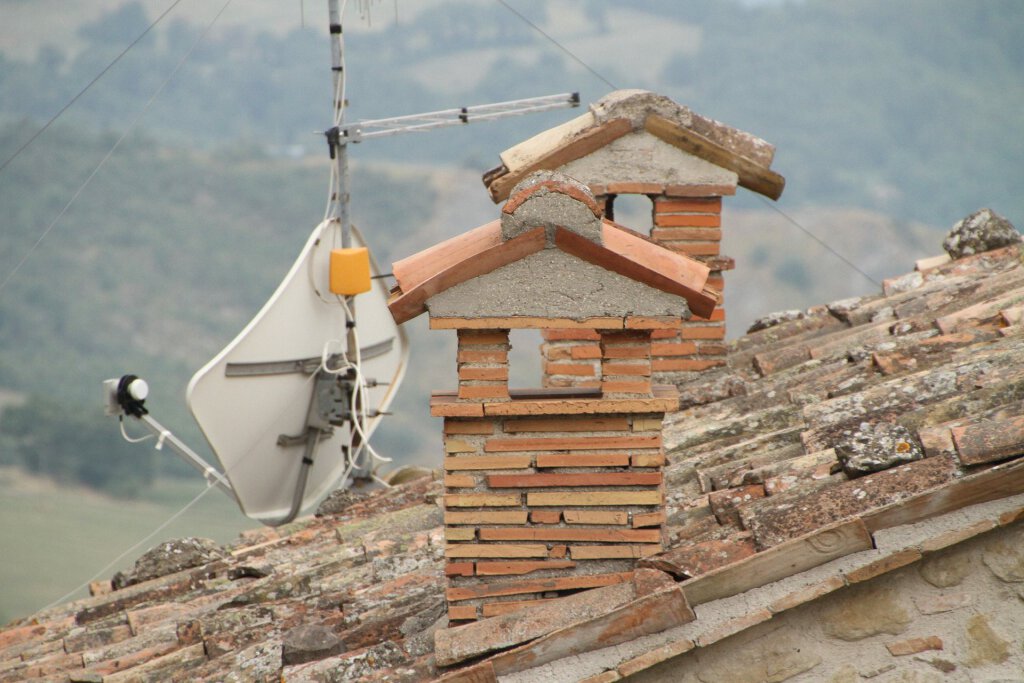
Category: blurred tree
<point>75,447</point>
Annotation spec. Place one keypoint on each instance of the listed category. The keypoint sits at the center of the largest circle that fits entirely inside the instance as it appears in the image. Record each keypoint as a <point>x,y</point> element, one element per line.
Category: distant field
<point>53,539</point>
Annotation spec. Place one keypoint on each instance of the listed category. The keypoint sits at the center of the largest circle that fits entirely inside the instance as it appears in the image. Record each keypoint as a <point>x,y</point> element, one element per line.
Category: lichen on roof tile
<point>370,571</point>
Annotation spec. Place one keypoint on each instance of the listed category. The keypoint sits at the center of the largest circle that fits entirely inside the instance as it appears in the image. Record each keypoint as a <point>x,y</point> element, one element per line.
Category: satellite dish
<point>289,406</point>
<point>258,399</point>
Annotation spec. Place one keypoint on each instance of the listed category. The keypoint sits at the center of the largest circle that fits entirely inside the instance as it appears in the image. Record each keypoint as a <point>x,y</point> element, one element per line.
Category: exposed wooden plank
<point>526,152</point>
<point>582,145</point>
<point>780,561</point>
<point>751,175</point>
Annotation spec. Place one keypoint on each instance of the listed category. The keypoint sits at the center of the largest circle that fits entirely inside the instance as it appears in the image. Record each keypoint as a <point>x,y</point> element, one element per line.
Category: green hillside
<point>892,121</point>
<point>155,268</point>
<point>907,110</point>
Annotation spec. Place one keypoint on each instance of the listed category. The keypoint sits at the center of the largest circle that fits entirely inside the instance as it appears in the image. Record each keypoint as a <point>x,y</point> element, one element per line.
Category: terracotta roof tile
<point>372,573</point>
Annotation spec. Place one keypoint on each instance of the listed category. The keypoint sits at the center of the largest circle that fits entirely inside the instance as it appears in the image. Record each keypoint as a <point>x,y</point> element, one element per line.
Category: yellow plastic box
<point>350,271</point>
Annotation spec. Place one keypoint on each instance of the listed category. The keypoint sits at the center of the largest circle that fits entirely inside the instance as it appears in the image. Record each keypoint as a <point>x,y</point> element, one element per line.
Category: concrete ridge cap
<point>548,182</point>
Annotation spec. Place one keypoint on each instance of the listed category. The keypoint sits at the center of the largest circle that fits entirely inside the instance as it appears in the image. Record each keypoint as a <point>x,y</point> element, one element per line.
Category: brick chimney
<point>634,142</point>
<point>547,490</point>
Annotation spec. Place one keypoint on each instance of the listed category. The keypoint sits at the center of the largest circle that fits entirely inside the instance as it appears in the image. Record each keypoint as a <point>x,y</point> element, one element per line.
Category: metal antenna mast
<point>341,134</point>
<point>338,203</point>
<point>220,389</point>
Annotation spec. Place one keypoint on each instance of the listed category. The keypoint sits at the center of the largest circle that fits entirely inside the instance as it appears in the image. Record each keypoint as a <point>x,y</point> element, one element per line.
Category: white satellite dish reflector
<point>252,400</point>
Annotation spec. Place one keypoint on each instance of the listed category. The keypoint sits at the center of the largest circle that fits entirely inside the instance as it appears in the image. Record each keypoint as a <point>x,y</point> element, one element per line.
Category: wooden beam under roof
<point>751,175</point>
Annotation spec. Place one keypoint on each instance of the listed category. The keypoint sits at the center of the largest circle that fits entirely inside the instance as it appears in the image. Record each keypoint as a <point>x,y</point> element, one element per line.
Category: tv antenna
<point>289,405</point>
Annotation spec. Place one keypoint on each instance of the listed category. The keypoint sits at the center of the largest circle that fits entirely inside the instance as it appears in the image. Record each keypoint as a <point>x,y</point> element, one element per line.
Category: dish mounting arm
<point>126,397</point>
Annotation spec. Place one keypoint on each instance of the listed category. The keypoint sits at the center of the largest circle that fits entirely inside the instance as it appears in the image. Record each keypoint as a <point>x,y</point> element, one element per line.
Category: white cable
<point>339,101</point>
<point>312,258</point>
<point>357,398</point>
<point>131,127</point>
<point>209,485</point>
<point>120,420</point>
<point>361,385</point>
<point>330,188</point>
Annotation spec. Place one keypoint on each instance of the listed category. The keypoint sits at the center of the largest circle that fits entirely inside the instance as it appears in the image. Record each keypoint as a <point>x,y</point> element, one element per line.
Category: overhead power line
<point>775,208</point>
<point>820,241</point>
<point>88,85</point>
<point>131,127</point>
<point>557,44</point>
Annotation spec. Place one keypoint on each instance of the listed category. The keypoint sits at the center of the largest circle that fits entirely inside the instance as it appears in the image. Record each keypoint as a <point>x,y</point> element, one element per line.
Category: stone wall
<point>956,616</point>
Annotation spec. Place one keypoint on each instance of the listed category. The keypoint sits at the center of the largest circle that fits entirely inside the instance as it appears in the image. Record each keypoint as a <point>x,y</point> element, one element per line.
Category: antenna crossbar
<point>376,128</point>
